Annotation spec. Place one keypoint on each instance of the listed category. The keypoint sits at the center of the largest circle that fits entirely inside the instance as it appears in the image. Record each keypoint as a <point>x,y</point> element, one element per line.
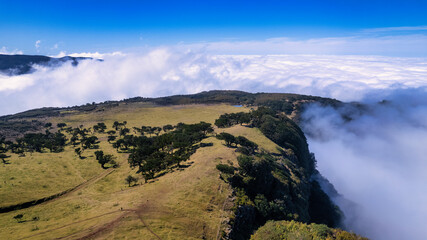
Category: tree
<point>167,128</point>
<point>61,125</point>
<point>130,179</point>
<point>225,168</point>
<point>156,130</point>
<point>79,152</point>
<point>124,131</point>
<point>104,159</point>
<point>111,138</point>
<point>99,127</point>
<point>244,118</point>
<point>89,142</point>
<point>245,164</point>
<point>116,125</point>
<point>74,139</point>
<point>228,138</point>
<point>246,145</point>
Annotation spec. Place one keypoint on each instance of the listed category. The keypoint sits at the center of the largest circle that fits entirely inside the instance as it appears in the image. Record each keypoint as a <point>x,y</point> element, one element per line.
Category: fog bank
<point>168,71</point>
<point>375,156</point>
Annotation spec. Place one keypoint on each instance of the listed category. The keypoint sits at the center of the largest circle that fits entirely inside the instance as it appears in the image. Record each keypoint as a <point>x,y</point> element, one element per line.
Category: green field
<point>187,203</point>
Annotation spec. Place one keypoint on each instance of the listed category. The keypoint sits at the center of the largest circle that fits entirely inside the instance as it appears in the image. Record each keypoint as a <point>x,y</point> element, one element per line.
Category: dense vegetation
<point>291,230</point>
<point>273,186</point>
<point>154,154</point>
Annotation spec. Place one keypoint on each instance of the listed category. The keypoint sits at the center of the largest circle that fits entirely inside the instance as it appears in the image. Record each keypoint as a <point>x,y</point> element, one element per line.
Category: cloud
<point>413,45</point>
<point>95,55</point>
<point>167,71</point>
<point>37,45</point>
<point>3,50</point>
<point>377,160</point>
<point>392,29</point>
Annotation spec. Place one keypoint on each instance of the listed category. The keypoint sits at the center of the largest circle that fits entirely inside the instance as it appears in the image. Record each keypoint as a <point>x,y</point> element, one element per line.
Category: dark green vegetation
<point>22,64</point>
<point>154,154</point>
<point>273,186</point>
<point>16,128</point>
<point>291,230</point>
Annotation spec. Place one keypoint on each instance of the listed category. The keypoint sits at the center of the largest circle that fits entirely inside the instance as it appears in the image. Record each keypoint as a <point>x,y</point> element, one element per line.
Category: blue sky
<point>105,26</point>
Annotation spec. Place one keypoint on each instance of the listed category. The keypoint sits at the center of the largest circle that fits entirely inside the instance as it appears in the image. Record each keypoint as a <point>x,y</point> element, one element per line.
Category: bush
<point>206,144</point>
<point>225,168</point>
<point>296,230</point>
<point>245,163</point>
<point>130,179</point>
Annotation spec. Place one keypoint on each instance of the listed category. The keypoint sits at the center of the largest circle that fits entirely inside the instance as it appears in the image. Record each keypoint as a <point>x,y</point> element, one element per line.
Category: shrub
<point>225,168</point>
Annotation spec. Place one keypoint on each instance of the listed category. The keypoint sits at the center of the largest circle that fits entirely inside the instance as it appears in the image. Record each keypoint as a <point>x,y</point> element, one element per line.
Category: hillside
<point>33,120</point>
<point>22,64</point>
<point>191,180</point>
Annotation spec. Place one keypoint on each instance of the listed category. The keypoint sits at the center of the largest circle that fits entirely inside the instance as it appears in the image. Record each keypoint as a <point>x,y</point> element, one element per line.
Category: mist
<point>167,71</point>
<point>375,156</point>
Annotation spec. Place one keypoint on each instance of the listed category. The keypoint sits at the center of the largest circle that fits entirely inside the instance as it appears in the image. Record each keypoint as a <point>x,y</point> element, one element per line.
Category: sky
<point>49,27</point>
<point>365,51</point>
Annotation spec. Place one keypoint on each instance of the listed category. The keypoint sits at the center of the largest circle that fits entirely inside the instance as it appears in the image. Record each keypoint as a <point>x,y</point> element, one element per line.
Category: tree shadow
<point>184,166</point>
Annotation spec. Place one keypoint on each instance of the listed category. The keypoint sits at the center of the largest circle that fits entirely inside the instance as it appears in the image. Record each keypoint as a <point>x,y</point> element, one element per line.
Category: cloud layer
<point>376,160</point>
<point>382,42</point>
<point>167,71</point>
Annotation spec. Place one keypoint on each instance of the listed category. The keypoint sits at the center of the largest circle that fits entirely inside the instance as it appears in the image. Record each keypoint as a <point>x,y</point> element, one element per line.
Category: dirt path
<point>138,212</point>
<point>99,230</point>
<point>198,181</point>
<point>84,220</point>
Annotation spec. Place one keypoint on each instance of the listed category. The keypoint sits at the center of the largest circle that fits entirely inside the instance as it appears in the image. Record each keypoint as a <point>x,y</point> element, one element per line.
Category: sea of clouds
<point>167,71</point>
<point>377,160</point>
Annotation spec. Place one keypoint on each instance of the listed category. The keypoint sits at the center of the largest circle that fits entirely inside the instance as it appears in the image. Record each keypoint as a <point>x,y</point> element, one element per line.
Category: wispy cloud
<point>3,50</point>
<point>37,45</point>
<point>393,29</point>
<point>95,55</point>
<point>413,45</point>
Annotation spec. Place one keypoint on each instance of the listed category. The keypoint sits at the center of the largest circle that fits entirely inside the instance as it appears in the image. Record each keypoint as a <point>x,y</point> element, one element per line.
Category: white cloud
<point>95,55</point>
<point>376,160</point>
<point>37,45</point>
<point>391,29</point>
<point>166,71</point>
<point>414,45</point>
<point>3,50</point>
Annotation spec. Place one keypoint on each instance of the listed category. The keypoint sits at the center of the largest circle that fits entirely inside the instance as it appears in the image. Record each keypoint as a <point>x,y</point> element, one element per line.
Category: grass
<point>137,114</point>
<point>184,204</point>
<point>255,135</point>
<point>40,175</point>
